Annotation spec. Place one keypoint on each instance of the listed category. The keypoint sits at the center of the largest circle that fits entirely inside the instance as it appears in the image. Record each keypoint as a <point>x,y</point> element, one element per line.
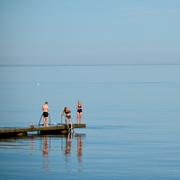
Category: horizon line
<point>93,64</point>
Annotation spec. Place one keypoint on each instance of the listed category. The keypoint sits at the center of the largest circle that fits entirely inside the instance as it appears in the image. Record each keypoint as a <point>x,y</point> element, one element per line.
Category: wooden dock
<point>41,130</point>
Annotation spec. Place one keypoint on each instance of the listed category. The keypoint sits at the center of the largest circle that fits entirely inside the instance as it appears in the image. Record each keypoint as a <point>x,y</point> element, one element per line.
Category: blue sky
<point>89,31</point>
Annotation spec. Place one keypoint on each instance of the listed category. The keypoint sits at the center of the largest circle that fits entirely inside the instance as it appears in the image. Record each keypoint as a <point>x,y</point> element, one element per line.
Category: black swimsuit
<point>45,114</point>
<point>79,110</point>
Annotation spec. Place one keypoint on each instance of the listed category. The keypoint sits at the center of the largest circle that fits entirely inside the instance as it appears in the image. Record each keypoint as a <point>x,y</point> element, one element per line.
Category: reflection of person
<point>68,144</point>
<point>79,147</point>
<point>45,146</point>
<point>45,152</point>
<point>45,110</point>
<point>79,108</point>
<point>67,113</point>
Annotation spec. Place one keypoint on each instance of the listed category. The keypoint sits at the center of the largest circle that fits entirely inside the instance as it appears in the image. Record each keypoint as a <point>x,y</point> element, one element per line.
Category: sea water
<point>132,113</point>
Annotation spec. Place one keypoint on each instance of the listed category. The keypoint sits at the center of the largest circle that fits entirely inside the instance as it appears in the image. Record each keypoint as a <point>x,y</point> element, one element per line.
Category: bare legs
<point>79,117</point>
<point>70,124</point>
<point>46,122</point>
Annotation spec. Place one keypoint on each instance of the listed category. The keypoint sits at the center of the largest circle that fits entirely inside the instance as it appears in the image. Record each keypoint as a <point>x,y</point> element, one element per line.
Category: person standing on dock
<point>79,108</point>
<point>67,114</point>
<point>45,109</point>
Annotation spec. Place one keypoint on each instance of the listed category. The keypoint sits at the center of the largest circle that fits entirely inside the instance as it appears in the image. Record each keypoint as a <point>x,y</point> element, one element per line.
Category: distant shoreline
<point>88,65</point>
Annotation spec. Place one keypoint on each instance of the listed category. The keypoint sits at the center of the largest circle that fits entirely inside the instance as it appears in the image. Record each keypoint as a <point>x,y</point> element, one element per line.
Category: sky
<point>89,32</point>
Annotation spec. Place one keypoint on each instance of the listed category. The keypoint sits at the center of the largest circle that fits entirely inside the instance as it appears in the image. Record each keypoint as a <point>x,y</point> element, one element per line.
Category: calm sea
<point>132,114</point>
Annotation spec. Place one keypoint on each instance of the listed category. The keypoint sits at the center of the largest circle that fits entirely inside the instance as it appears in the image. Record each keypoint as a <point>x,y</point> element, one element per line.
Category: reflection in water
<point>66,146</point>
<point>45,146</point>
<point>45,152</point>
<point>79,151</point>
<point>64,150</point>
<point>79,147</point>
<point>67,152</point>
<point>32,144</point>
<point>68,149</point>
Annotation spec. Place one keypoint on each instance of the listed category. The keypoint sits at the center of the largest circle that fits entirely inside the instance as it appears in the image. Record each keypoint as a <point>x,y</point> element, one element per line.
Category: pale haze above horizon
<point>89,32</point>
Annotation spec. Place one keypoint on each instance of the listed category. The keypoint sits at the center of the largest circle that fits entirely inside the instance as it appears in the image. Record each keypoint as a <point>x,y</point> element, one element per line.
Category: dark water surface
<point>132,115</point>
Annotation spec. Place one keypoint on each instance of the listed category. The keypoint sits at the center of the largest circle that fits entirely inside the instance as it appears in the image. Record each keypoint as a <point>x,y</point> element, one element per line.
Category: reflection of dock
<point>59,129</point>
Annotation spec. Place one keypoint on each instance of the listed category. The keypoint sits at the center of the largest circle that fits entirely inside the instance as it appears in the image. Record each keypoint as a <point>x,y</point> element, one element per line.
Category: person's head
<point>65,109</point>
<point>46,102</point>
